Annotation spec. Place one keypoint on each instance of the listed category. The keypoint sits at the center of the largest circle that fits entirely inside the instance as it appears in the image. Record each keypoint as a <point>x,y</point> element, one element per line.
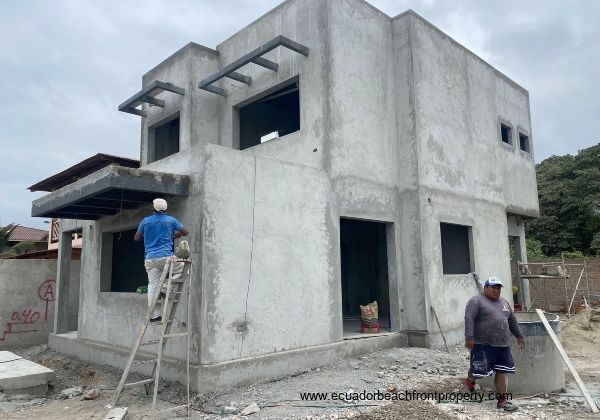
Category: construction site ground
<point>397,369</point>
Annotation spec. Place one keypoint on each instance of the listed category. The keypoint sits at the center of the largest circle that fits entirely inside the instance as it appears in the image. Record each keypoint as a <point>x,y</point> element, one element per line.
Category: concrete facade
<point>27,301</point>
<point>403,128</point>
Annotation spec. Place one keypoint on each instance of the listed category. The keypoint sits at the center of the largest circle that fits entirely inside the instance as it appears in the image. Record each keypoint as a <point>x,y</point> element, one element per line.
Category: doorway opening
<point>514,244</point>
<point>364,266</point>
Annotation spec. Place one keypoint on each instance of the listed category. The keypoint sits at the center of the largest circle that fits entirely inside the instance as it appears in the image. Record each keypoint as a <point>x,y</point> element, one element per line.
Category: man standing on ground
<point>489,320</point>
<point>158,232</point>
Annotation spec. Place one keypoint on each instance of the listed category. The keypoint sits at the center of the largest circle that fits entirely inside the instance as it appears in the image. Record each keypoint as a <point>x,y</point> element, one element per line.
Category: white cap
<point>159,204</point>
<point>493,281</point>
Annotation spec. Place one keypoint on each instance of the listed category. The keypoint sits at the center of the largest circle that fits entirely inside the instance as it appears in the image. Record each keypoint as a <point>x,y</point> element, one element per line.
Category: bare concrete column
<point>526,294</point>
<point>63,283</point>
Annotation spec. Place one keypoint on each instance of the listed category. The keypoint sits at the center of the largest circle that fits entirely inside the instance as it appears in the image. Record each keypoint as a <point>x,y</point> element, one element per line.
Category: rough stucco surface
<point>265,225</point>
<point>27,294</point>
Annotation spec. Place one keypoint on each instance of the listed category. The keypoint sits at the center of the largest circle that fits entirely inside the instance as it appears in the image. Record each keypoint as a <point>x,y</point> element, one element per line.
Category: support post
<point>63,284</point>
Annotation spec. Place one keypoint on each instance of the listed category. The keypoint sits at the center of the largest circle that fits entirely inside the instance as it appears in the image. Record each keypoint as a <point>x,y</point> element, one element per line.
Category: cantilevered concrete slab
<point>18,375</point>
<point>107,192</point>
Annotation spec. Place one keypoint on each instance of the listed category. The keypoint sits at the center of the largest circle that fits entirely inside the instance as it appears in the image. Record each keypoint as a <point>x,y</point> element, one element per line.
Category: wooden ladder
<point>174,294</point>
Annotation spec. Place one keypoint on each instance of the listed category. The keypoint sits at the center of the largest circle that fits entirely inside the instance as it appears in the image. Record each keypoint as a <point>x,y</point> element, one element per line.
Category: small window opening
<point>273,116</point>
<point>163,140</point>
<point>524,142</point>
<point>122,262</point>
<point>364,268</point>
<point>456,248</point>
<point>506,134</point>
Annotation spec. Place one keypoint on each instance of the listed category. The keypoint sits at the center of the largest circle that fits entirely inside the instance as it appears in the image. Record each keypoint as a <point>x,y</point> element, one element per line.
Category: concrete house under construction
<point>325,156</point>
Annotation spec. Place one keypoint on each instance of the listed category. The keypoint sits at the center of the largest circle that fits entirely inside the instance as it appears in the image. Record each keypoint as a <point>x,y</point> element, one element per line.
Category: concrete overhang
<point>109,191</point>
<point>523,212</point>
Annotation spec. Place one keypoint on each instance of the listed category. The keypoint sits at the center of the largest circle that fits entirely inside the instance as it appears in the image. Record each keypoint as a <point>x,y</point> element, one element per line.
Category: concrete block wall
<point>27,295</point>
<point>550,293</point>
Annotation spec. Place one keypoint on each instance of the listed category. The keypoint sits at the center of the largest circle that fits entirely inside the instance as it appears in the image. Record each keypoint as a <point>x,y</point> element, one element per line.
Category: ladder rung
<point>170,300</point>
<point>171,408</point>
<point>143,362</point>
<point>145,381</point>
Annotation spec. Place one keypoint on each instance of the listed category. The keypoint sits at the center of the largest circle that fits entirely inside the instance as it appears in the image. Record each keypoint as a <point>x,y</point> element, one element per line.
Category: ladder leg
<point>189,333</point>
<point>139,339</point>
<point>166,327</point>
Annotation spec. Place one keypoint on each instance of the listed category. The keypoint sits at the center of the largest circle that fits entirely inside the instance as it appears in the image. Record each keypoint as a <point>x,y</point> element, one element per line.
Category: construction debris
<point>251,409</point>
<point>92,394</point>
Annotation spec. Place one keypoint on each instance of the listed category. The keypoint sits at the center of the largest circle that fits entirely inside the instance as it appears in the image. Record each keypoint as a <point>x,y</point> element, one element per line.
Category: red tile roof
<point>22,233</point>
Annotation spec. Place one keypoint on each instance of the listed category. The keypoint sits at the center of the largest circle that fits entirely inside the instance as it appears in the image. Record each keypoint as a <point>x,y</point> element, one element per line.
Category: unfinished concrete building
<point>325,156</point>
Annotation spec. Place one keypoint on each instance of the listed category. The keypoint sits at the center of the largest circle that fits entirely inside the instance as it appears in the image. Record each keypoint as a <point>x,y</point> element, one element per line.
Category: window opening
<point>122,262</point>
<point>506,134</point>
<point>456,248</point>
<point>524,142</point>
<point>275,115</point>
<point>163,140</point>
<point>364,267</point>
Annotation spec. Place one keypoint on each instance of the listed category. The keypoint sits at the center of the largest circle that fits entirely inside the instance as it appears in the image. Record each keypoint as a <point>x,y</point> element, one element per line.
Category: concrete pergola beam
<point>147,94</point>
<point>254,56</point>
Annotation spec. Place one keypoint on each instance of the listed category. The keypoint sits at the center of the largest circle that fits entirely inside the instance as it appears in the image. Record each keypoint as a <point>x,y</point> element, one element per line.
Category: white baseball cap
<point>493,281</point>
<point>159,204</point>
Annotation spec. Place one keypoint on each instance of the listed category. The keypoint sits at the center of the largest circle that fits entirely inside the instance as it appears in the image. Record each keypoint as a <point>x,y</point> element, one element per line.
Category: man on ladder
<point>164,269</point>
<point>158,231</point>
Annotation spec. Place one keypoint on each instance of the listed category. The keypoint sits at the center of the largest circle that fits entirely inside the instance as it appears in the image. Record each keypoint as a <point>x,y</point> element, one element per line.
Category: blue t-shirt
<point>158,231</point>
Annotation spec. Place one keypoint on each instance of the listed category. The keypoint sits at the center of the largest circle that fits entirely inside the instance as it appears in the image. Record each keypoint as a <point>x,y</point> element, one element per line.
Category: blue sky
<point>65,65</point>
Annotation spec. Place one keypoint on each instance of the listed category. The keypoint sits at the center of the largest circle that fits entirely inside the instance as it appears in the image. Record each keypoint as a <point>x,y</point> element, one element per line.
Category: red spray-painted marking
<point>30,316</point>
<point>46,293</point>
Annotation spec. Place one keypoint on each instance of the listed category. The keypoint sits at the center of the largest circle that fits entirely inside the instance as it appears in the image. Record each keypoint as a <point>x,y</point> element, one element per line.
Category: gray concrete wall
<point>27,293</point>
<point>197,109</point>
<point>268,258</point>
<point>304,22</point>
<point>115,318</point>
<point>467,175</point>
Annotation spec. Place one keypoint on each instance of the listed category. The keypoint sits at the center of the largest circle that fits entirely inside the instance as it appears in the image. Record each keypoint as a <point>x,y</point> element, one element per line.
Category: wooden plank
<point>563,354</point>
<point>575,292</point>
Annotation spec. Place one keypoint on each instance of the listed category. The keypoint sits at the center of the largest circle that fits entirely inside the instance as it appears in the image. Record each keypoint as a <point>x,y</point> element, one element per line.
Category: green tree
<point>534,250</point>
<point>569,196</point>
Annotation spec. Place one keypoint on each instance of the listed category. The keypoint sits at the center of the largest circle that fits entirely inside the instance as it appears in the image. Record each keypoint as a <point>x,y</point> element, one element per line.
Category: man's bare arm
<point>182,232</point>
<point>139,236</point>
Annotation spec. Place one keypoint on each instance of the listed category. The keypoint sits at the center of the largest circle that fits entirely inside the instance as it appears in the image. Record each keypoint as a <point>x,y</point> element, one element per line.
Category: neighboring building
<point>332,156</point>
<point>37,238</point>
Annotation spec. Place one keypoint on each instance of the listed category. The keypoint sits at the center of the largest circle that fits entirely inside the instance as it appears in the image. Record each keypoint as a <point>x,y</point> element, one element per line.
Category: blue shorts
<point>486,359</point>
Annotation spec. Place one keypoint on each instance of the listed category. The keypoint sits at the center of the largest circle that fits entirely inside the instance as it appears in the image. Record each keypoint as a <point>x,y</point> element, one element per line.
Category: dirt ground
<point>395,370</point>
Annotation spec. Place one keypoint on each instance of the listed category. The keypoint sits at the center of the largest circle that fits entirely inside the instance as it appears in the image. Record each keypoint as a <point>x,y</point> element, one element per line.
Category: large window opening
<point>456,248</point>
<point>122,264</point>
<point>364,266</point>
<point>270,117</point>
<point>163,140</point>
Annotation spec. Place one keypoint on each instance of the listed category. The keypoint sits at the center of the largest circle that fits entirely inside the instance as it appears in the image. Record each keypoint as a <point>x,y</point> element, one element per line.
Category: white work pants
<point>154,268</point>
